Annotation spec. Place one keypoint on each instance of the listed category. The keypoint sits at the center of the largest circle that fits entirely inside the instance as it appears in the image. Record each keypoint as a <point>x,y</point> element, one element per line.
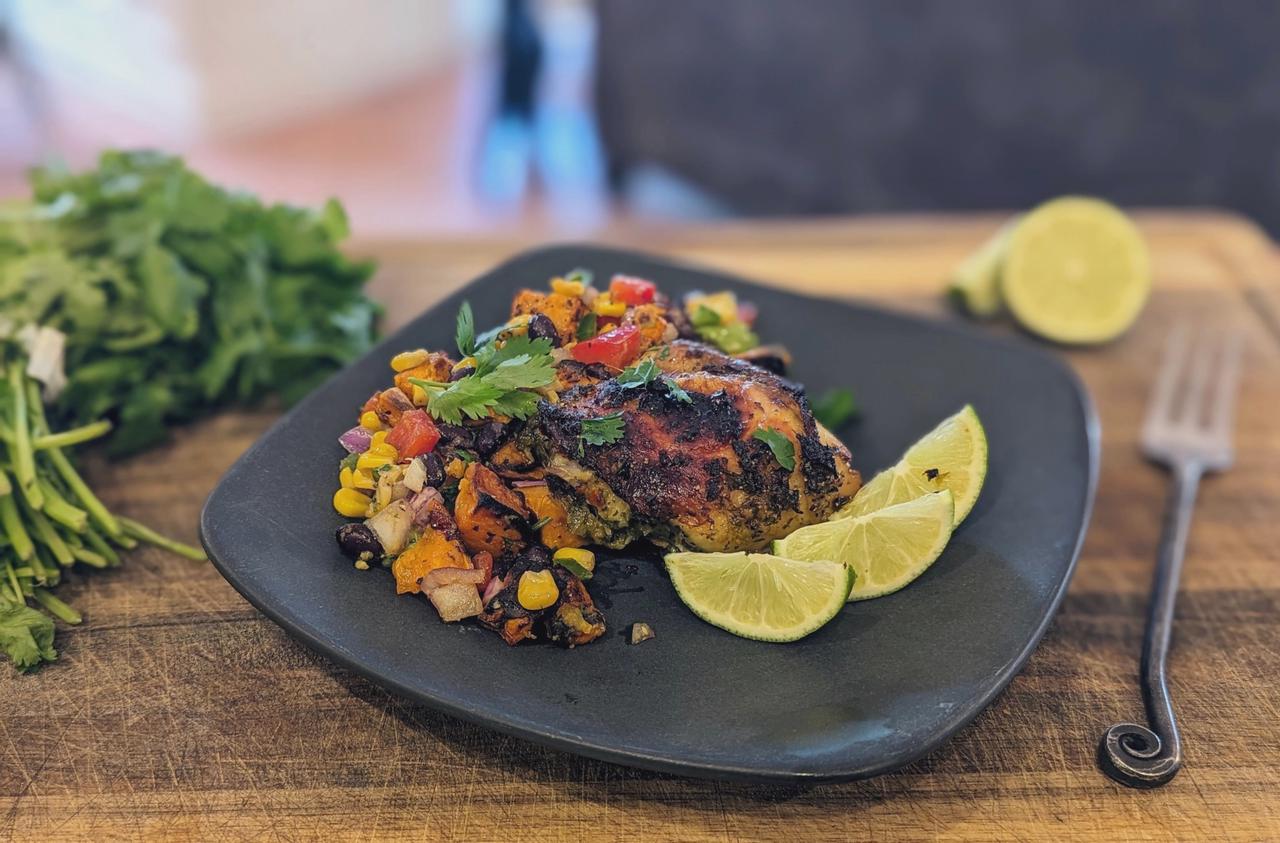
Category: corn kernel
<point>362,480</point>
<point>419,396</point>
<point>350,503</point>
<point>369,420</point>
<point>382,449</point>
<point>604,305</point>
<point>369,462</point>
<point>456,468</point>
<point>378,438</point>
<point>537,590</point>
<point>567,288</point>
<point>408,359</point>
<point>346,478</point>
<point>464,363</point>
<point>583,558</point>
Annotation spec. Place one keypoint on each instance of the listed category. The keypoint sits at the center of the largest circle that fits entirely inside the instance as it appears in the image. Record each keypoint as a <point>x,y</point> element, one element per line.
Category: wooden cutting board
<point>177,711</point>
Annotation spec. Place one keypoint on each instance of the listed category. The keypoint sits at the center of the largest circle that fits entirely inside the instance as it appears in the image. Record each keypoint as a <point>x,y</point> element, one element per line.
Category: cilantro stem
<point>56,607</point>
<point>23,458</point>
<point>74,436</point>
<point>88,557</point>
<point>146,534</point>
<point>19,540</point>
<point>57,508</point>
<point>97,511</point>
<point>48,536</point>
<point>100,545</point>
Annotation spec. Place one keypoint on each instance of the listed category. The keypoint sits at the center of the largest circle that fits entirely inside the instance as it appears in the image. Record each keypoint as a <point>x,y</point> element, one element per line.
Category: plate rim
<point>322,644</point>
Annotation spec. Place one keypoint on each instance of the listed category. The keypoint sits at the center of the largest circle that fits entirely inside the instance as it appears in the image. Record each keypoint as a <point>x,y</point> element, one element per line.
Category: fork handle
<point>1135,755</point>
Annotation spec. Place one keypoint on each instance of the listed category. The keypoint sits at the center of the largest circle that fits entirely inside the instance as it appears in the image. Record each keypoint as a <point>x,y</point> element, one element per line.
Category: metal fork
<point>1188,430</point>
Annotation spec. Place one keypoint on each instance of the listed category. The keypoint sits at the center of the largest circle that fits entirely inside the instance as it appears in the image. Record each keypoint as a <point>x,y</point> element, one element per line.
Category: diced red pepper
<point>414,434</point>
<point>615,348</point>
<point>631,290</point>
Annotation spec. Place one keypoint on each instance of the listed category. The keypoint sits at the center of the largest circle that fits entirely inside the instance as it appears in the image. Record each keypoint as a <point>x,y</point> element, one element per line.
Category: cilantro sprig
<point>646,372</point>
<point>604,430</point>
<point>498,385</point>
<point>783,450</point>
<point>465,335</point>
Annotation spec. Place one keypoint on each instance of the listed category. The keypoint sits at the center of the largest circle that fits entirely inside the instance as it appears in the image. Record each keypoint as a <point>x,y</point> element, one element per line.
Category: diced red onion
<point>356,440</point>
<point>490,590</point>
<point>525,484</point>
<point>421,503</point>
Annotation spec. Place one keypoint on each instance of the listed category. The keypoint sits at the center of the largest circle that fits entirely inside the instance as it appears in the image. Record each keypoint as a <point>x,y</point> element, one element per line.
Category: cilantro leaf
<point>26,636</point>
<point>641,374</point>
<point>465,335</point>
<point>835,408</point>
<point>676,391</point>
<point>603,430</point>
<point>647,372</point>
<point>587,326</point>
<point>783,449</point>
<point>497,385</point>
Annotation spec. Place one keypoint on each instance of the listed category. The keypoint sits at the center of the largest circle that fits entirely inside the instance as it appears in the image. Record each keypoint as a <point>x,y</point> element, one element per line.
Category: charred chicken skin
<point>692,474</point>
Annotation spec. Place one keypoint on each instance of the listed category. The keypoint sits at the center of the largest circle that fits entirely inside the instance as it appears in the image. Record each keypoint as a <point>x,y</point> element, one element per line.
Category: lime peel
<point>759,596</point>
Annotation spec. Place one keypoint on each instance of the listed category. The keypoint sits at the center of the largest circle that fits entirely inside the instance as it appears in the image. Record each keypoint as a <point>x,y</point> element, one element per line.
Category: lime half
<point>886,549</point>
<point>976,281</point>
<point>1076,271</point>
<point>759,596</point>
<point>952,456</point>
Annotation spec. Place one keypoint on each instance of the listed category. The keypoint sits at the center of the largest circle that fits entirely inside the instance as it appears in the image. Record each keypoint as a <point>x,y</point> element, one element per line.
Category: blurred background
<point>565,116</point>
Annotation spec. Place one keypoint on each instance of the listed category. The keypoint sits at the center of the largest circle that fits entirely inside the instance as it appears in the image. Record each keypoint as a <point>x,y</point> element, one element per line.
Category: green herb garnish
<point>540,523</point>
<point>498,385</point>
<point>835,408</point>
<point>783,449</point>
<point>676,391</point>
<point>641,374</point>
<point>646,372</point>
<point>604,430</point>
<point>465,335</point>
<point>587,327</point>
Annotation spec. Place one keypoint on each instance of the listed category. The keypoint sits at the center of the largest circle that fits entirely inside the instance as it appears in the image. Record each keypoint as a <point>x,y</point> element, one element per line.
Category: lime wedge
<point>976,282</point>
<point>1076,271</point>
<point>952,456</point>
<point>886,549</point>
<point>759,596</point>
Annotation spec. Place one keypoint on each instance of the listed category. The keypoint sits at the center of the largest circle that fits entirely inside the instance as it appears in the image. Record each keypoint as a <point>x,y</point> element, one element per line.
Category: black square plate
<point>883,684</point>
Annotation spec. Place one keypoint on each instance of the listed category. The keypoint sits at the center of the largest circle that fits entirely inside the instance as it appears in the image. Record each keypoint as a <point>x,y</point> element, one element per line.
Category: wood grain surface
<point>176,711</point>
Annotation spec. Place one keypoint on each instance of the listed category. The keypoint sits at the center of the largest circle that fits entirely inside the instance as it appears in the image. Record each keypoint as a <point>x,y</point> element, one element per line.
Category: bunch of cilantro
<point>168,296</point>
<point>177,296</point>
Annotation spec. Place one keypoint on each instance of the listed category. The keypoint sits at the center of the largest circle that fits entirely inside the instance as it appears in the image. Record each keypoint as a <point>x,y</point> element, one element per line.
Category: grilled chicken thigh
<point>690,474</point>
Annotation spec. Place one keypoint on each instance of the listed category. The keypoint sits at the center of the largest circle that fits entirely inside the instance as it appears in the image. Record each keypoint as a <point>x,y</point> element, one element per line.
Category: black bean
<point>359,542</point>
<point>435,470</point>
<point>489,438</point>
<point>457,435</point>
<point>459,374</point>
<point>541,327</point>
